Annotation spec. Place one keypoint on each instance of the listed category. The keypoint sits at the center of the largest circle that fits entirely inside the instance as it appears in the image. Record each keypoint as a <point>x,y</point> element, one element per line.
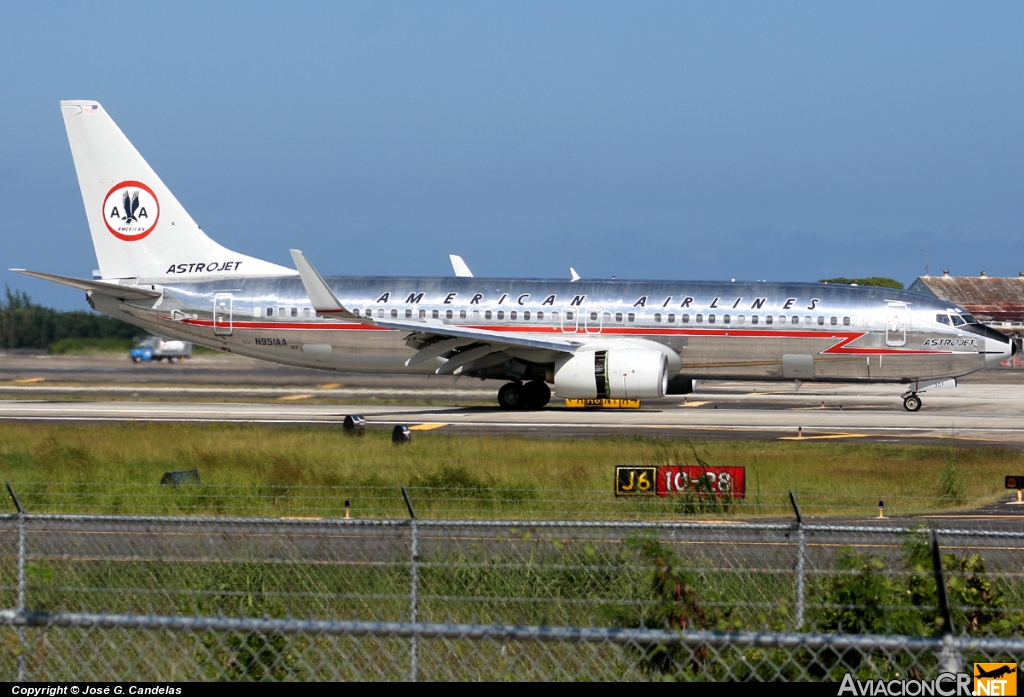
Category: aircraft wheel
<point>537,394</point>
<point>512,396</point>
<point>912,402</point>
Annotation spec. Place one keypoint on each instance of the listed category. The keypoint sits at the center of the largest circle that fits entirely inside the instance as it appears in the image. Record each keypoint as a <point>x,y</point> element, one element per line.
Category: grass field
<point>252,470</point>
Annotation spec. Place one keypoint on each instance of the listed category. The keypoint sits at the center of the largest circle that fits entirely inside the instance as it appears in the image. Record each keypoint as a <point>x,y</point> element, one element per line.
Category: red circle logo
<point>130,211</point>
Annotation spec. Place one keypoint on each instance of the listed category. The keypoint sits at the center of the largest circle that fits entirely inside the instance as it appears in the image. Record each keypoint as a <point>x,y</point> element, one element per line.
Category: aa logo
<point>995,678</point>
<point>130,211</point>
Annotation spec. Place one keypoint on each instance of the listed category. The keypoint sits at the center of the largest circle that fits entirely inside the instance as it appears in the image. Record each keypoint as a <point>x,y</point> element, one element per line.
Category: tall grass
<point>249,469</point>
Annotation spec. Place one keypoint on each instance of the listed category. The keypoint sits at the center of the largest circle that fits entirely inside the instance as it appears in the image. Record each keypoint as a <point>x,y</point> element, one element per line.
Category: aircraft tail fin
<point>139,230</point>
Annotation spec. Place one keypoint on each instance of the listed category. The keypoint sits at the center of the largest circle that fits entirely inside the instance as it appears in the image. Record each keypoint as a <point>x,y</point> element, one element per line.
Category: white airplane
<point>590,339</point>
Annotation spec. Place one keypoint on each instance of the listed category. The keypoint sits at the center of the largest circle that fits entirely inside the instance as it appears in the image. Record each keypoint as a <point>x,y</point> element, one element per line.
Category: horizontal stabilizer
<point>100,287</point>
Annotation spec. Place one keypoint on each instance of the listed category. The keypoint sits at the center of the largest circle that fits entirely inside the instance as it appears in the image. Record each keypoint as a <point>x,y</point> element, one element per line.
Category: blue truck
<point>153,348</point>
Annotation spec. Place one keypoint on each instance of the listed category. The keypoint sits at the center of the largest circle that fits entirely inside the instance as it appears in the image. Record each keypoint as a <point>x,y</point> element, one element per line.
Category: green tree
<point>25,324</point>
<point>875,281</point>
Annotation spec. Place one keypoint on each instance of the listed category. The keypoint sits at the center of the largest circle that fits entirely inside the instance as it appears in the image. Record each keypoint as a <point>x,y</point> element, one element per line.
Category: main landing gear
<point>515,395</point>
<point>912,402</point>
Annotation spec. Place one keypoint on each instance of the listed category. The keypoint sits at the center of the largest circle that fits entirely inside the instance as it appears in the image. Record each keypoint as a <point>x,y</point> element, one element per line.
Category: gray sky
<point>779,141</point>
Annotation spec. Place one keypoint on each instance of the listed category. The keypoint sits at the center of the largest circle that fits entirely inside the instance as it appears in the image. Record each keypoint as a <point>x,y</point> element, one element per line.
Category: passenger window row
<point>527,315</point>
<point>281,312</point>
<point>754,319</point>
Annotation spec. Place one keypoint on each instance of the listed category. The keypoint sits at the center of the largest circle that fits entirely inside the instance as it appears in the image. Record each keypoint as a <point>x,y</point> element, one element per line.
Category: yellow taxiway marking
<point>828,437</point>
<point>425,427</point>
<point>329,386</point>
<point>694,404</point>
<point>25,381</point>
<point>293,397</point>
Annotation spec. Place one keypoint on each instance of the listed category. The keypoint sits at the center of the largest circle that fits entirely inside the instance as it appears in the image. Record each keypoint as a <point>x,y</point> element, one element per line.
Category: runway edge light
<point>1016,481</point>
<point>401,435</point>
<point>354,425</point>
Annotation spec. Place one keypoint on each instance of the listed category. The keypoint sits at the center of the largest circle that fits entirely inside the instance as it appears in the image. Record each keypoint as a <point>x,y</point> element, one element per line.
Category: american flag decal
<point>91,109</point>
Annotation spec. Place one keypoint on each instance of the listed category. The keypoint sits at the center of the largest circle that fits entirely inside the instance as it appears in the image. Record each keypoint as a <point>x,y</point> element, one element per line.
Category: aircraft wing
<point>101,287</point>
<point>441,338</point>
<point>505,338</point>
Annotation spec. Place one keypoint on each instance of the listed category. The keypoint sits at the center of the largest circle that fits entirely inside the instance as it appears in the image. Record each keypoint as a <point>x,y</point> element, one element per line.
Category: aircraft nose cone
<point>998,351</point>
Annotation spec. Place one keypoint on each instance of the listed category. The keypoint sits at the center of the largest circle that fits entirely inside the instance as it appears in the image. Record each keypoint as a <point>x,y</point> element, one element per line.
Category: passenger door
<point>222,307</point>
<point>896,324</point>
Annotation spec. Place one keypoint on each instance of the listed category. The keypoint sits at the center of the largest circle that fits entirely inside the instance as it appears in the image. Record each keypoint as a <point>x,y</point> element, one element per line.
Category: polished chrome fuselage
<point>729,331</point>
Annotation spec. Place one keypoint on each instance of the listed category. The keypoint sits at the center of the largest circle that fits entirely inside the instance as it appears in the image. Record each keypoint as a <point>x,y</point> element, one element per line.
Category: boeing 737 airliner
<point>589,339</point>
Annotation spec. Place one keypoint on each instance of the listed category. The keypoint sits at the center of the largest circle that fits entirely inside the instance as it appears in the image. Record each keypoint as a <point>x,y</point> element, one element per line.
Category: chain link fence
<point>455,493</point>
<point>198,598</point>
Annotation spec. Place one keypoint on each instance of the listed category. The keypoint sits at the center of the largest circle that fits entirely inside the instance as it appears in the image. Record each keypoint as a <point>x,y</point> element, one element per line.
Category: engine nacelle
<point>625,373</point>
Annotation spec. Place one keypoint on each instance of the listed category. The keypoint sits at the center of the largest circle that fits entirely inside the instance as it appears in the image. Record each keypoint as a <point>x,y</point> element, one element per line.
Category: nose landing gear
<point>912,402</point>
<point>515,395</point>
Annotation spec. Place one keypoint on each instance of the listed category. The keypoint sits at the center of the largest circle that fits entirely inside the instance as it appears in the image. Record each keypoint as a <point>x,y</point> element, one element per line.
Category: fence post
<point>22,580</point>
<point>950,660</point>
<point>801,555</point>
<point>414,587</point>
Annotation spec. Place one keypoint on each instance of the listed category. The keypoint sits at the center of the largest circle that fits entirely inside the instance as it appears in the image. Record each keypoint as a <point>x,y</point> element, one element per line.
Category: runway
<point>984,413</point>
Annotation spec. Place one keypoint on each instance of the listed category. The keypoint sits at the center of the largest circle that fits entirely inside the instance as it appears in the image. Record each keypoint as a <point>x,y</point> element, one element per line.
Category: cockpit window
<point>969,319</point>
<point>957,320</point>
<point>942,319</point>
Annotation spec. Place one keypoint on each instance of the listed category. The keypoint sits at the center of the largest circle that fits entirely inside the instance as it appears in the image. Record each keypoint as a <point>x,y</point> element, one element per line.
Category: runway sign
<point>692,480</point>
<point>1015,482</point>
<point>603,403</point>
<point>699,481</point>
<point>635,481</point>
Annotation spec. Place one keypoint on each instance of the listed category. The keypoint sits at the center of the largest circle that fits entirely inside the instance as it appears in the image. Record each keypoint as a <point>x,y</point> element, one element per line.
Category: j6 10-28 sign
<point>679,480</point>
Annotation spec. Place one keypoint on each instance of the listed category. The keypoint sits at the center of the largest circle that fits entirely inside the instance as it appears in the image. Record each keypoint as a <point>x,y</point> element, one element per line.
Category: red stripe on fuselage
<point>355,326</point>
<point>841,347</point>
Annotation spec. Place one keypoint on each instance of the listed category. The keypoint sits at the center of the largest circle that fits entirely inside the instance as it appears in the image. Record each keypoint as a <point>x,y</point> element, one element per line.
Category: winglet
<point>320,294</point>
<point>575,276</point>
<point>460,267</point>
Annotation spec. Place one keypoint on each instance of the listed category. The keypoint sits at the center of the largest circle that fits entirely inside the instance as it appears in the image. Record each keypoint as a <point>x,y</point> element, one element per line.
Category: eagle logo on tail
<point>131,206</point>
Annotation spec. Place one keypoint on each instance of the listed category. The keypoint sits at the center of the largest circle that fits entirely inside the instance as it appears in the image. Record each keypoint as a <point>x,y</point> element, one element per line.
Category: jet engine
<point>625,373</point>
